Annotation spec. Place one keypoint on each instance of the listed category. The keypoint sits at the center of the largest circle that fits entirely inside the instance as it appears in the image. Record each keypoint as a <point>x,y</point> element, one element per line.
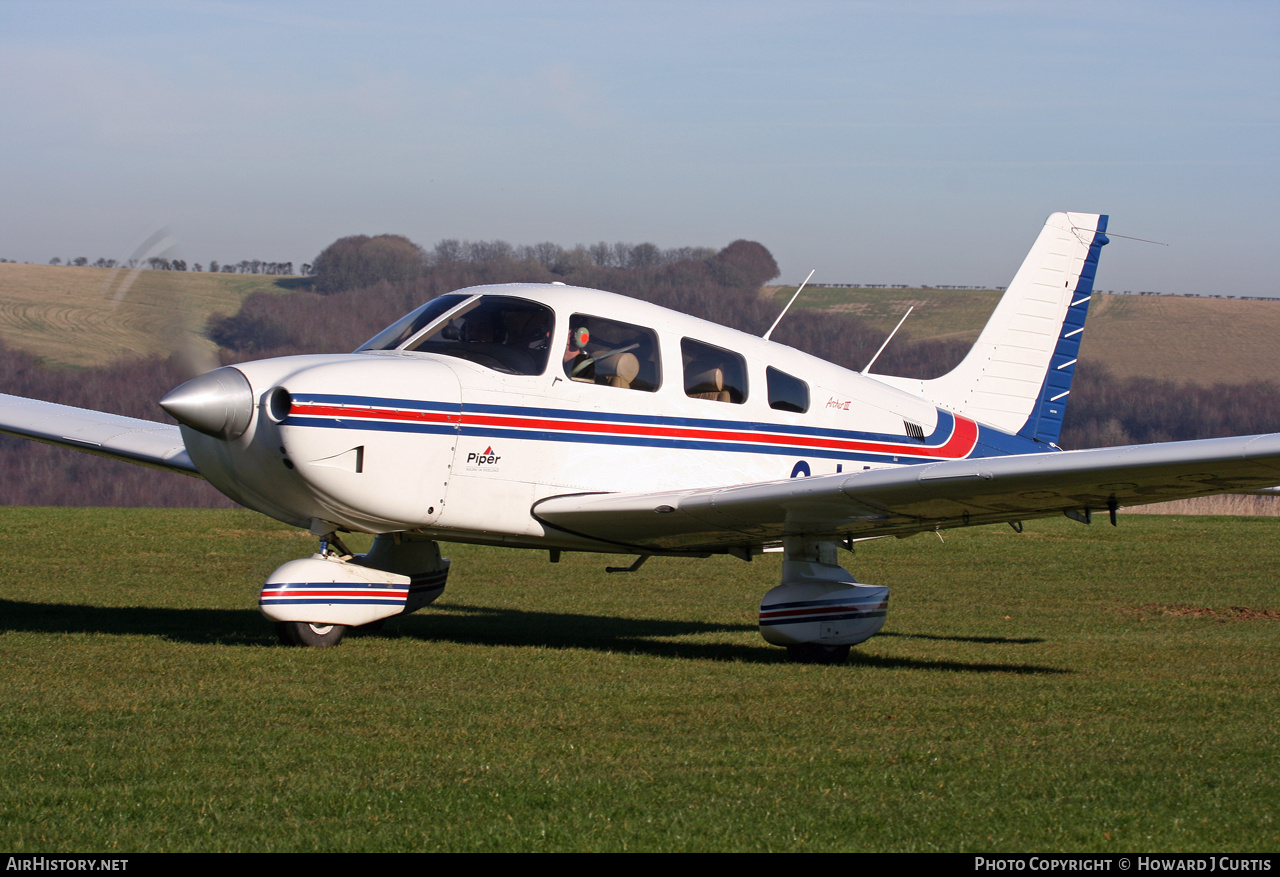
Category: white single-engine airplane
<point>565,419</point>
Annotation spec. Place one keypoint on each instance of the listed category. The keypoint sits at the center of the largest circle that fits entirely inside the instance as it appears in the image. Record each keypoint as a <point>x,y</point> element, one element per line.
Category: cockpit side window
<point>506,334</point>
<point>713,372</point>
<point>600,351</point>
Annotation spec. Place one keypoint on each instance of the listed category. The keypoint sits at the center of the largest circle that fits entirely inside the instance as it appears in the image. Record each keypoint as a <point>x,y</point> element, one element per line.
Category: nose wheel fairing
<point>325,590</point>
<point>397,576</point>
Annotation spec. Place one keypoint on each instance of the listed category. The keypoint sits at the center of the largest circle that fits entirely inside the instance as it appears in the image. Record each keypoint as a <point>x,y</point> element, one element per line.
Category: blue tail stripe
<point>1045,422</point>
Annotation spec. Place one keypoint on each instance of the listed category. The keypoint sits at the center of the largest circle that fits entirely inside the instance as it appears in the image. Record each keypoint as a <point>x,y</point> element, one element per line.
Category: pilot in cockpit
<point>577,362</point>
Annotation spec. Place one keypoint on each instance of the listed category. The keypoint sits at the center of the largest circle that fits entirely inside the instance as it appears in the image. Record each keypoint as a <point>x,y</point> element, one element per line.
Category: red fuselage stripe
<point>334,592</point>
<point>958,445</point>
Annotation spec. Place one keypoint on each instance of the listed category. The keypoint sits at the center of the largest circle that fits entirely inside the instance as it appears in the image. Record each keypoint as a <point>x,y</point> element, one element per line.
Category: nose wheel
<point>304,633</point>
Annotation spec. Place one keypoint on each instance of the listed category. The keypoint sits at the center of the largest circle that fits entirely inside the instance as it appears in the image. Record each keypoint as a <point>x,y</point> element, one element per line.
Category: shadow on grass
<point>980,640</point>
<point>461,624</point>
<point>200,626</point>
<point>482,625</point>
<point>862,659</point>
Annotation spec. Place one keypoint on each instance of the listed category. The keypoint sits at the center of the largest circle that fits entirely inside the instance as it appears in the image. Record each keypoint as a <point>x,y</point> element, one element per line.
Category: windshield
<point>411,323</point>
<point>506,334</point>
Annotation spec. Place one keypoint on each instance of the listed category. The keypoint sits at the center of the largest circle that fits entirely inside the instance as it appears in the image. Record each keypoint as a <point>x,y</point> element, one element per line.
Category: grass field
<point>939,313</point>
<point>1202,341</point>
<point>1071,688</point>
<point>69,315</point>
<point>1196,340</point>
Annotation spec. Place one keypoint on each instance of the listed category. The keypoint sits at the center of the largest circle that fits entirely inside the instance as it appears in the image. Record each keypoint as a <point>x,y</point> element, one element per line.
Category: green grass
<point>1038,692</point>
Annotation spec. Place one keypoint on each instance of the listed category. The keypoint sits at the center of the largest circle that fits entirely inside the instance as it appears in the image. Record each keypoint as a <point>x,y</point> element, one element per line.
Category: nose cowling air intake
<point>363,442</point>
<point>219,403</point>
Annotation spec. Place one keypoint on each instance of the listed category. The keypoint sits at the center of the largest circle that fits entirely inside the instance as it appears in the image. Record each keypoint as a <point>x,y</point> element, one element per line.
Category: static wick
<point>1139,240</point>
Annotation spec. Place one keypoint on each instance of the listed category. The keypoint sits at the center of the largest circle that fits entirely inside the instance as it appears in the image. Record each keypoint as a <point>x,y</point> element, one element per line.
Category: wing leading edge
<point>157,445</point>
<point>913,499</point>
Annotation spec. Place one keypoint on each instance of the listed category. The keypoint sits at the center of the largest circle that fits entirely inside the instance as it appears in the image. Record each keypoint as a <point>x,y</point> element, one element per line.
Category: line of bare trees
<point>158,263</point>
<point>718,285</point>
<point>359,261</point>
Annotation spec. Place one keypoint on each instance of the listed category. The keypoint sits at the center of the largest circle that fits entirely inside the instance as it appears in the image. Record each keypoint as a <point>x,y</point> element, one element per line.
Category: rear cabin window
<point>713,372</point>
<point>785,392</point>
<point>601,351</point>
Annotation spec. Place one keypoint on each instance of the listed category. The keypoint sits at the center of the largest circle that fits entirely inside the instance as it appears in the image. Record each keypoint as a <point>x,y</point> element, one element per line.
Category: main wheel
<point>817,653</point>
<point>304,633</point>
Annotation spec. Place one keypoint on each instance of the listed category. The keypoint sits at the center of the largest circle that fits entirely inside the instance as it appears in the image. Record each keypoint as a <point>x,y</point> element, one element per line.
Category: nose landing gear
<point>315,600</point>
<point>304,633</point>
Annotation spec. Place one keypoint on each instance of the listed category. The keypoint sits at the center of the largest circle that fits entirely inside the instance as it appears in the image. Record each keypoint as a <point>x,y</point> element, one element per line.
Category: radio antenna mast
<point>788,307</point>
<point>887,340</point>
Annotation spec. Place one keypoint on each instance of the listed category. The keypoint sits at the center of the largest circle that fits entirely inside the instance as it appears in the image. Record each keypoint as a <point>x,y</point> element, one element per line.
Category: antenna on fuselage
<point>788,307</point>
<point>887,340</point>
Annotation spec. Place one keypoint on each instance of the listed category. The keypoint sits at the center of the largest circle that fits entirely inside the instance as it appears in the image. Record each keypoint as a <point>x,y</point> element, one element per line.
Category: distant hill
<point>67,316</point>
<point>1197,340</point>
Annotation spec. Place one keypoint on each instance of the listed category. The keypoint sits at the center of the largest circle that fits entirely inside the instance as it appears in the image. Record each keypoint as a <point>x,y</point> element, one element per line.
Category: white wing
<point>913,499</point>
<point>157,445</point>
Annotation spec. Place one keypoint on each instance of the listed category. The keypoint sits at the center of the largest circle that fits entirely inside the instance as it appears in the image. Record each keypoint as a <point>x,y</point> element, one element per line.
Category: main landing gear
<point>816,653</point>
<point>819,610</point>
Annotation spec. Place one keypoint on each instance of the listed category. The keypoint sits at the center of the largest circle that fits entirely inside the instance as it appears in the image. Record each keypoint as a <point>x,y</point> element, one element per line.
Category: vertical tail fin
<point>1087,239</point>
<point>1018,375</point>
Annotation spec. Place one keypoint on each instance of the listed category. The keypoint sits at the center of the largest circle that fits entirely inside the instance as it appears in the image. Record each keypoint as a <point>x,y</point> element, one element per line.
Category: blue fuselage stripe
<point>899,448</point>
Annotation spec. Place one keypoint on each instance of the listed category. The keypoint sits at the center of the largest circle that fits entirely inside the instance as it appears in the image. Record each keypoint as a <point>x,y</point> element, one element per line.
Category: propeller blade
<point>173,316</point>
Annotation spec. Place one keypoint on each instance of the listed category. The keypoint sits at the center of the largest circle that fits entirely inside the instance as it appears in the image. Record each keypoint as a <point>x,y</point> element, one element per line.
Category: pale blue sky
<point>896,142</point>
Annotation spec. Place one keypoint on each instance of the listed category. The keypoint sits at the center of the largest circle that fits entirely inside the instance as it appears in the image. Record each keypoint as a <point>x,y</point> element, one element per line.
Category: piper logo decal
<point>487,461</point>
